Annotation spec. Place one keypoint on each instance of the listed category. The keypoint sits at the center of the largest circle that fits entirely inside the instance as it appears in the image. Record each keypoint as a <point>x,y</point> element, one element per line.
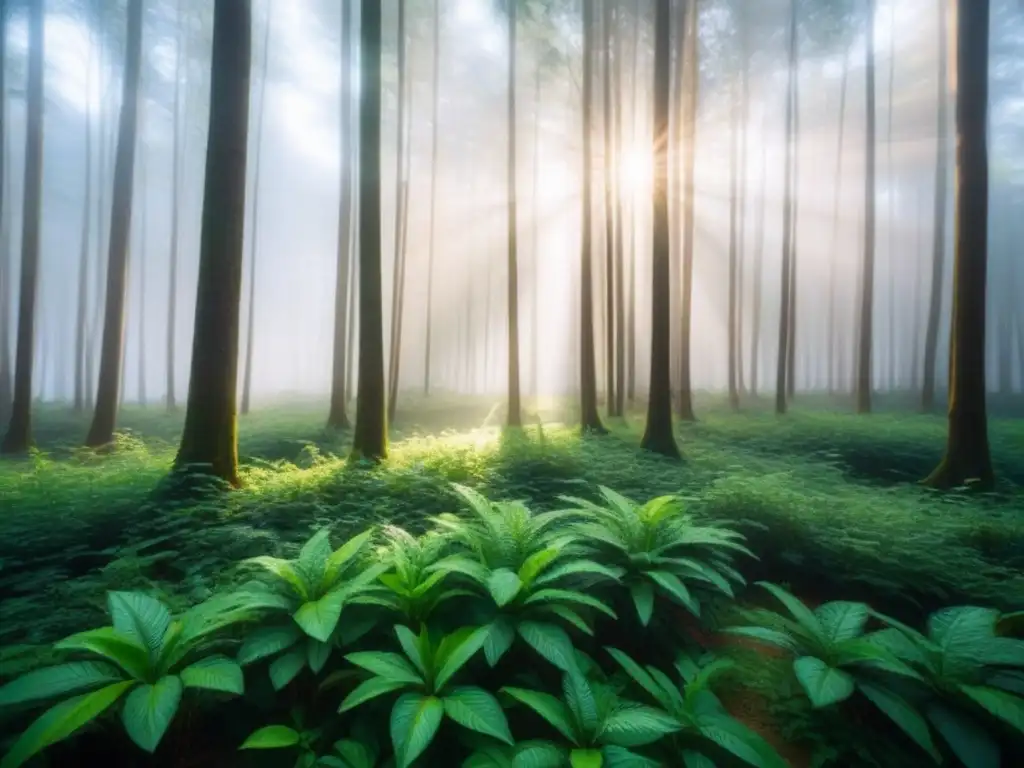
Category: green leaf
<point>640,676</point>
<point>969,742</point>
<point>675,587</point>
<point>582,702</point>
<point>642,593</point>
<point>272,737</point>
<point>537,754</point>
<point>112,645</point>
<point>550,641</point>
<point>548,707</point>
<point>739,740</point>
<point>428,583</point>
<point>570,616</point>
<point>214,673</point>
<point>285,571</point>
<point>579,568</point>
<point>319,618</point>
<point>536,563</point>
<point>411,645</point>
<point>477,710</point>
<point>503,585</point>
<point>149,709</point>
<point>313,556</point>
<point>62,720</point>
<point>568,596</point>
<point>355,754</point>
<point>390,666</point>
<point>414,722</point>
<point>55,681</point>
<point>317,654</point>
<point>804,616</point>
<point>634,725</point>
<point>620,757</point>
<point>286,668</point>
<point>842,620</point>
<point>370,689</point>
<point>824,685</point>
<point>343,555</point>
<point>901,712</point>
<point>499,639</point>
<point>140,617</point>
<point>586,758</point>
<point>267,641</point>
<point>1005,706</point>
<point>453,658</point>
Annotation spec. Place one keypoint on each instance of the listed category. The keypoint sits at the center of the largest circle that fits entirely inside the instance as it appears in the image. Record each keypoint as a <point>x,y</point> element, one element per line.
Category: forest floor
<point>829,501</point>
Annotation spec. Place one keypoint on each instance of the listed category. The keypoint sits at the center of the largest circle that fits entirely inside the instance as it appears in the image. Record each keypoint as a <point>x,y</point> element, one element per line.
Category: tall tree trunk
<point>931,344</point>
<point>433,196</point>
<point>6,225</point>
<point>401,214</point>
<point>590,420</point>
<point>864,381</point>
<point>535,245</point>
<point>691,54</point>
<point>785,317</point>
<point>919,279</point>
<point>620,270</point>
<point>112,350</point>
<point>733,331</point>
<point>743,184</point>
<point>352,345</point>
<point>370,436</point>
<point>337,418</point>
<point>82,310</point>
<point>633,219</point>
<point>833,268</point>
<point>210,438</point>
<point>254,224</point>
<point>143,240</point>
<point>609,218</point>
<point>515,417</point>
<point>172,276</point>
<point>19,429</point>
<point>658,436</point>
<point>794,231</point>
<point>892,183</point>
<point>755,329</point>
<point>967,459</point>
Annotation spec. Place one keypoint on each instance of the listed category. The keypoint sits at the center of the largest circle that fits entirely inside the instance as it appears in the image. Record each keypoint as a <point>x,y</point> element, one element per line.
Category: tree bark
<point>609,218</point>
<point>515,417</point>
<point>535,245</point>
<point>892,183</point>
<point>401,222</point>
<point>658,436</point>
<point>19,430</point>
<point>620,270</point>
<point>864,381</point>
<point>433,196</point>
<point>733,330</point>
<point>755,329</point>
<point>794,231</point>
<point>633,220</point>
<point>5,232</point>
<point>143,240</point>
<point>967,459</point>
<point>172,276</point>
<point>370,435</point>
<point>82,311</point>
<point>785,317</point>
<point>833,269</point>
<point>210,438</point>
<point>691,54</point>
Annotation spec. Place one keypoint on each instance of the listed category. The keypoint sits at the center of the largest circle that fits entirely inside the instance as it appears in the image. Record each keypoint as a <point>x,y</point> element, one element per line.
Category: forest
<point>512,383</point>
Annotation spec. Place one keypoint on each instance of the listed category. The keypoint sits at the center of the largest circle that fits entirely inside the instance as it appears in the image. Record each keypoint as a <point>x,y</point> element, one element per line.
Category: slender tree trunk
<point>691,54</point>
<point>370,437</point>
<point>19,430</point>
<point>112,351</point>
<point>967,459</point>
<point>743,184</point>
<point>892,184</point>
<point>143,247</point>
<point>733,331</point>
<point>433,196</point>
<point>535,245</point>
<point>337,418</point>
<point>864,381</point>
<point>794,231</point>
<point>658,436</point>
<point>919,279</point>
<point>515,417</point>
<point>254,225</point>
<point>785,317</point>
<point>172,276</point>
<point>833,269</point>
<point>398,264</point>
<point>609,219</point>
<point>82,311</point>
<point>6,227</point>
<point>620,276</point>
<point>590,420</point>
<point>210,437</point>
<point>755,330</point>
<point>633,219</point>
<point>352,345</point>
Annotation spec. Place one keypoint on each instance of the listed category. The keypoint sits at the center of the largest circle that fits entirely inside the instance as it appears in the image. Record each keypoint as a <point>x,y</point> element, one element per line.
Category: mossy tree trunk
<point>370,435</point>
<point>658,435</point>
<point>210,439</point>
<point>19,429</point>
<point>864,345</point>
<point>967,458</point>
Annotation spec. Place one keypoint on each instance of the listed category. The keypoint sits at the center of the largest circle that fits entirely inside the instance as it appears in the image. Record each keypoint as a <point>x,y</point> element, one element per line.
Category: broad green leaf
<point>537,754</point>
<point>1007,681</point>
<point>428,583</point>
<point>548,707</point>
<point>62,720</point>
<point>355,754</point>
<point>969,742</point>
<point>695,569</point>
<point>904,714</point>
<point>959,633</point>
<point>267,641</point>
<point>620,757</point>
<point>112,645</point>
<point>640,676</point>
<point>214,673</point>
<point>551,642</point>
<point>739,740</point>
<point>460,653</point>
<point>536,563</point>
<point>642,593</point>
<point>477,710</point>
<point>285,571</point>
<point>149,709</point>
<point>582,702</point>
<point>824,685</point>
<point>462,565</point>
<point>675,587</point>
<point>272,737</point>
<point>1001,651</point>
<point>542,596</point>
<point>503,585</point>
<point>370,689</point>
<point>693,759</point>
<point>586,758</point>
<point>570,616</point>
<point>499,639</point>
<point>634,725</point>
<point>140,617</point>
<point>390,666</point>
<point>286,668</point>
<point>313,556</point>
<point>587,568</point>
<point>842,620</point>
<point>1005,706</point>
<point>411,645</point>
<point>764,635</point>
<point>319,618</point>
<point>317,654</point>
<point>55,681</point>
<point>414,722</point>
<point>342,556</point>
<point>804,616</point>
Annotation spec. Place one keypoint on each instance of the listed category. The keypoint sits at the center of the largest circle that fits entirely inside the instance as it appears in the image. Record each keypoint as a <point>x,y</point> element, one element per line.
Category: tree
<point>785,305</point>
<point>620,269</point>
<point>19,429</point>
<point>868,267</point>
<point>82,311</point>
<point>176,159</point>
<point>733,329</point>
<point>254,225</point>
<point>112,349</point>
<point>691,54</point>
<point>658,435</point>
<point>833,261</point>
<point>210,438</point>
<point>432,245</point>
<point>758,277</point>
<point>590,420</point>
<point>609,218</point>
<point>5,226</point>
<point>143,240</point>
<point>515,416</point>
<point>337,417</point>
<point>967,458</point>
<point>931,344</point>
<point>370,437</point>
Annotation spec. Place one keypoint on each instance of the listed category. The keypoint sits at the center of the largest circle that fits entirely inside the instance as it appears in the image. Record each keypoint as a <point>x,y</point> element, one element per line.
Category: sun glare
<point>636,169</point>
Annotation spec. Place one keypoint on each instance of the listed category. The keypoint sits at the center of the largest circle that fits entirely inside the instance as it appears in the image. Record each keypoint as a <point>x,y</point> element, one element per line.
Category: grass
<point>827,500</point>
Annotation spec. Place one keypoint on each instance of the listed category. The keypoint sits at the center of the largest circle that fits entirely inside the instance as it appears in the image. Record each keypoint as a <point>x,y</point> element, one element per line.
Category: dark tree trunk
<point>515,417</point>
<point>254,224</point>
<point>172,276</point>
<point>6,226</point>
<point>967,459</point>
<point>892,183</point>
<point>82,310</point>
<point>609,218</point>
<point>370,437</point>
<point>691,54</point>
<point>535,246</point>
<point>401,222</point>
<point>931,343</point>
<point>658,436</point>
<point>785,316</point>
<point>833,274</point>
<point>633,220</point>
<point>433,196</point>
<point>794,232</point>
<point>590,420</point>
<point>143,239</point>
<point>337,418</point>
<point>620,270</point>
<point>733,330</point>
<point>210,439</point>
<point>755,326</point>
<point>19,430</point>
<point>743,184</point>
<point>868,269</point>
